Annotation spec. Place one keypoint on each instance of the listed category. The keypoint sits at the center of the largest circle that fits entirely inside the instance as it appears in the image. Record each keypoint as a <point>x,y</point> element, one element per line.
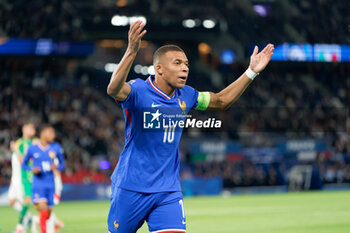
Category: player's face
<point>29,130</point>
<point>174,68</point>
<point>49,134</point>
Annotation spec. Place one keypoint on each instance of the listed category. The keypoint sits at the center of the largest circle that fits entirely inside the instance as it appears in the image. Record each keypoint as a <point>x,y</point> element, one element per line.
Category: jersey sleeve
<point>131,100</point>
<point>192,97</point>
<point>60,157</point>
<point>18,148</point>
<point>26,159</point>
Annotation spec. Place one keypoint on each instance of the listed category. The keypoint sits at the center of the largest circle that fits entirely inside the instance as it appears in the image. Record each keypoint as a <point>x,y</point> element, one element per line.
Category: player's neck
<point>43,143</point>
<point>164,86</point>
<point>25,137</point>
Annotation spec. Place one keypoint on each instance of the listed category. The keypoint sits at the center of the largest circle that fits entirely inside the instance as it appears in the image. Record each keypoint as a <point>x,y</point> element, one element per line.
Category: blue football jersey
<point>150,160</point>
<point>43,158</point>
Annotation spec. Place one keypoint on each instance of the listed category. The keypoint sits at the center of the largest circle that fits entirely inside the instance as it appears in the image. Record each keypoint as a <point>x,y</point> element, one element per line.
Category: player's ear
<point>159,69</point>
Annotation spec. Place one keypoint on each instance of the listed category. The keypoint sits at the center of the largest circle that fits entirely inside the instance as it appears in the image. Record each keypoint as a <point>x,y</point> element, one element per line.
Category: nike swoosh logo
<point>155,105</point>
<point>183,222</point>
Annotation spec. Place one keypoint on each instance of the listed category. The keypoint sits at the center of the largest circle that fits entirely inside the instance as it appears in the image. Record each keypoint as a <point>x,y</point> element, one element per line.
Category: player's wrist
<point>131,52</point>
<point>251,74</point>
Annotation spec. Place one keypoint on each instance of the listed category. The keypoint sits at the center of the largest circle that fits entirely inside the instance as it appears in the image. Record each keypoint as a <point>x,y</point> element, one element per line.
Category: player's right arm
<point>17,150</point>
<point>26,159</point>
<point>117,87</point>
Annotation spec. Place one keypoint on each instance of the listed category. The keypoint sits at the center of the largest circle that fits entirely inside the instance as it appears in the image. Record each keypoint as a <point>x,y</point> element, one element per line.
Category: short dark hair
<point>162,50</point>
<point>45,126</point>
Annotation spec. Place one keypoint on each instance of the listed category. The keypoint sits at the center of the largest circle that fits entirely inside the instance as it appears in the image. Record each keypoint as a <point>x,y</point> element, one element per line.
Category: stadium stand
<point>289,100</point>
<point>90,132</point>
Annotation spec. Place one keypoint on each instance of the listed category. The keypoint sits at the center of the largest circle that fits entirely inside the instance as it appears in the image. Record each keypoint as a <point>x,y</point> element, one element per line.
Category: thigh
<point>128,210</point>
<point>16,192</point>
<point>168,214</point>
<point>49,193</point>
<point>27,187</point>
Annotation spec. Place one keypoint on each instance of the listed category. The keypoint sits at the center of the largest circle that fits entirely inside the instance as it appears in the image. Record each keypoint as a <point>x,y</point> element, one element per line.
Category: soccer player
<point>43,187</point>
<point>20,190</point>
<point>145,183</point>
<point>54,224</point>
<point>15,193</point>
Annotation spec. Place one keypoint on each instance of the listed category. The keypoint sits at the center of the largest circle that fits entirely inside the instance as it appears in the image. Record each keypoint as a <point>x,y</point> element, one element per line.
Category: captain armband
<point>203,100</point>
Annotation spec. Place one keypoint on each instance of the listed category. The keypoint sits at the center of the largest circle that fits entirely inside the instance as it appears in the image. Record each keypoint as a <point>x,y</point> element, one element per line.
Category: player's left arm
<point>225,98</point>
<point>61,165</point>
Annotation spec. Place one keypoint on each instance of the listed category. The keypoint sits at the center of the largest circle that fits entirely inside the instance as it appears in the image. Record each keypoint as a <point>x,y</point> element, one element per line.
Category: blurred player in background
<point>43,155</point>
<point>54,224</point>
<point>20,190</point>
<point>145,183</point>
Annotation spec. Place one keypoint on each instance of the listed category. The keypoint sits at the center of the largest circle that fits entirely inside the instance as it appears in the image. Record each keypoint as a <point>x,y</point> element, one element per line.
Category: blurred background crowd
<point>289,100</point>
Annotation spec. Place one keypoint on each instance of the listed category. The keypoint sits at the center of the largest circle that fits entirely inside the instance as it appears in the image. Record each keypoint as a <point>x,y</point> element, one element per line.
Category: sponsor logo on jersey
<point>155,105</point>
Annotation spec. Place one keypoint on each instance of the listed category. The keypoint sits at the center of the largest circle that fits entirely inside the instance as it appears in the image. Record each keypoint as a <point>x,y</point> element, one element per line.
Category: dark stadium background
<point>57,57</point>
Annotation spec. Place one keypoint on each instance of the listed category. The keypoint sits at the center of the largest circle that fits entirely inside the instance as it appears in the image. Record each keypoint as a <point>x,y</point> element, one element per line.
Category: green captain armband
<point>203,100</point>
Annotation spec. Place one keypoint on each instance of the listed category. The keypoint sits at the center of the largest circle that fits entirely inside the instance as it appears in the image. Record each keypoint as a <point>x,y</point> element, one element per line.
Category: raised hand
<point>258,61</point>
<point>135,34</point>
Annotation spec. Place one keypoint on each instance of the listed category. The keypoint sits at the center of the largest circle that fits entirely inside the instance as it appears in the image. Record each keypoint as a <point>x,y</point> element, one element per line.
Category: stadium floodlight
<point>144,70</point>
<point>209,23</point>
<point>122,20</point>
<point>119,20</point>
<point>137,68</point>
<point>189,23</point>
<point>110,67</point>
<point>197,22</point>
<point>260,10</point>
<point>151,70</point>
<point>136,18</point>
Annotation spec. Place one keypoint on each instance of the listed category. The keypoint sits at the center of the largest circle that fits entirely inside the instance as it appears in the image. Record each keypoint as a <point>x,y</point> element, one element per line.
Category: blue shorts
<point>163,212</point>
<point>43,194</point>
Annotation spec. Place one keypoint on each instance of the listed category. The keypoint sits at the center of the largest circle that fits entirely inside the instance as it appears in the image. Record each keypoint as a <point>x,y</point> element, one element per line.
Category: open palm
<point>258,61</point>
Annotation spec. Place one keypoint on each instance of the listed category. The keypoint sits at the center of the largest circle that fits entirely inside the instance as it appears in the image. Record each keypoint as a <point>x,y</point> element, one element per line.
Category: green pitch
<point>312,212</point>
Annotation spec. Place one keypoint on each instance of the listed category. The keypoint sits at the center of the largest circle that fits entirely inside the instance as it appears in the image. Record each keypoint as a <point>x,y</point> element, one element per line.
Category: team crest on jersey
<point>182,106</point>
<point>52,154</point>
<point>131,81</point>
<point>116,225</point>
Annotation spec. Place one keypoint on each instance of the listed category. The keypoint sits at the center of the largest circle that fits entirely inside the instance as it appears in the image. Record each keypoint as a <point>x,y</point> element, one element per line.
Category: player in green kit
<point>20,149</point>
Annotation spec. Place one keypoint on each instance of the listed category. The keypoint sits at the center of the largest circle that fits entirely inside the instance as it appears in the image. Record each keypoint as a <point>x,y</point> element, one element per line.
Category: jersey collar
<point>42,147</point>
<point>157,89</point>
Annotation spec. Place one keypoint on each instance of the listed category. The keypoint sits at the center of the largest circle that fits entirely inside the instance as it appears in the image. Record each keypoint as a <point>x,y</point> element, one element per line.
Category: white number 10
<point>46,166</point>
<point>169,133</point>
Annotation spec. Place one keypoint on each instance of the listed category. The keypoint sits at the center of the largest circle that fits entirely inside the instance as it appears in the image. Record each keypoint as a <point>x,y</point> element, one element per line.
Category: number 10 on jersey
<point>169,132</point>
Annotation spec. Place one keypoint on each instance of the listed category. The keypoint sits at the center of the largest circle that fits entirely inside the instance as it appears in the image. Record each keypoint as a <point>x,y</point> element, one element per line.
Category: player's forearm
<point>25,165</point>
<point>231,94</point>
<point>61,165</point>
<point>119,76</point>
